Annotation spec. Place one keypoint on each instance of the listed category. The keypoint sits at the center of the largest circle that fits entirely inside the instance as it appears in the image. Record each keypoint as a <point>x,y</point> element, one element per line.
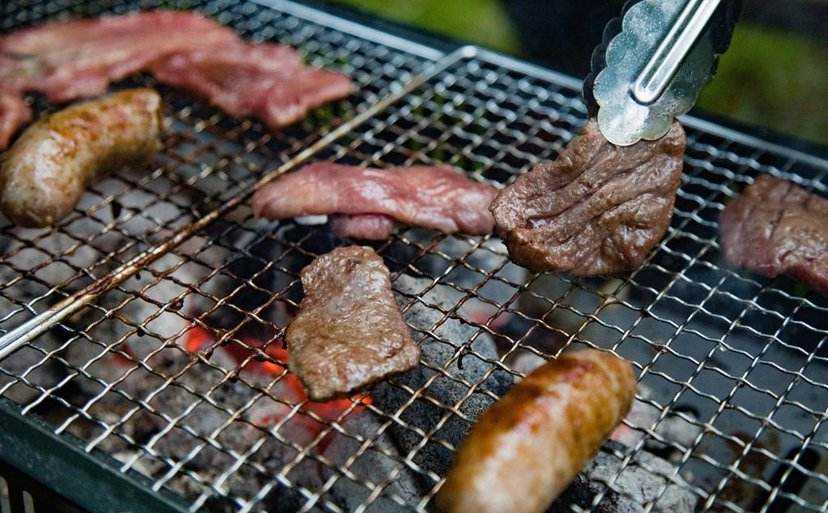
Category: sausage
<point>45,172</point>
<point>528,446</point>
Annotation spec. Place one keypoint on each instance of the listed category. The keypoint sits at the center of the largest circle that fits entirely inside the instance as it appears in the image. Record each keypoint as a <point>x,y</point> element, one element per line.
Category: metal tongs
<point>653,62</point>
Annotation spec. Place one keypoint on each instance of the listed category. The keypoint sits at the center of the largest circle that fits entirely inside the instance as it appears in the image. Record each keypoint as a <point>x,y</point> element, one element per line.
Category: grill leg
<point>26,495</point>
<point>15,488</point>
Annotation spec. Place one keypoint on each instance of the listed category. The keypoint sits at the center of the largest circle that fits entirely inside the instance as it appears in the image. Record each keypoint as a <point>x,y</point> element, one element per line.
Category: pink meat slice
<point>363,227</point>
<point>66,60</point>
<point>437,197</point>
<point>776,227</point>
<point>268,81</point>
<point>72,59</point>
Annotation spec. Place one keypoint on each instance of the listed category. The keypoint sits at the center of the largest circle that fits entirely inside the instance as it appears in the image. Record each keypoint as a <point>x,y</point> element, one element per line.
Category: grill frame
<point>399,92</point>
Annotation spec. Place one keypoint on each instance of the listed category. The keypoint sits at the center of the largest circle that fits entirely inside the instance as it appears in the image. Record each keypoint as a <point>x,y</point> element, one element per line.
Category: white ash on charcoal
<point>603,487</point>
<point>646,481</point>
<point>41,267</point>
<point>137,406</point>
<point>150,312</point>
<point>580,495</point>
<point>473,277</point>
<point>455,357</point>
<point>157,353</point>
<point>299,431</point>
<point>34,264</point>
<point>674,433</point>
<point>643,480</point>
<point>245,430</point>
<point>257,274</point>
<point>28,370</point>
<point>565,304</point>
<point>238,441</point>
<point>337,439</point>
<point>379,465</point>
<point>479,271</point>
<point>171,432</point>
<point>495,301</point>
<point>146,314</point>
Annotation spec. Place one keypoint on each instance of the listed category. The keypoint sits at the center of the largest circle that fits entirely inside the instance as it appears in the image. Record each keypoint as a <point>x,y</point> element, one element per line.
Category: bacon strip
<point>437,197</point>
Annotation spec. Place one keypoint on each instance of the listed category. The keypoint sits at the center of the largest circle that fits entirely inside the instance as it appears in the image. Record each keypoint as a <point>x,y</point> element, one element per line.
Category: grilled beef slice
<point>349,331</point>
<point>437,197</point>
<point>597,209</point>
<point>775,227</point>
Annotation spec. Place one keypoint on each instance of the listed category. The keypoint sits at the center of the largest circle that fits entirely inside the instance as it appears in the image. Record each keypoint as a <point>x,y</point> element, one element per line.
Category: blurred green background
<point>774,75</point>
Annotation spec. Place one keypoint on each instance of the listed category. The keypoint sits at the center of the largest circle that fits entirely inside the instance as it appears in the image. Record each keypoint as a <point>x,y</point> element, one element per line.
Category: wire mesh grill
<point>208,159</point>
<point>176,371</point>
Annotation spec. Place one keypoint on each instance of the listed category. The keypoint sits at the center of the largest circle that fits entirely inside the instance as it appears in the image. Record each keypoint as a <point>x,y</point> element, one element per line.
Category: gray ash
<point>453,363</point>
<point>646,480</point>
<point>209,429</point>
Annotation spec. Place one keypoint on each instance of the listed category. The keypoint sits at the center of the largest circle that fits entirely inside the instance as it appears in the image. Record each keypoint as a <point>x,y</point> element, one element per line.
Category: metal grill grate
<point>732,367</point>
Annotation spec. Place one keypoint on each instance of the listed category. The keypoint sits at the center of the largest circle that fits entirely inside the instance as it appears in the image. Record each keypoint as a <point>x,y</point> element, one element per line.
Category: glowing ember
<point>482,314</point>
<point>196,339</point>
<point>124,357</point>
<point>290,389</point>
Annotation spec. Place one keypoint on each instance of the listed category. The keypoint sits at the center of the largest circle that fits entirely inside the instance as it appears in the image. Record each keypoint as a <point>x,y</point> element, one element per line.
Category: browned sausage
<point>528,446</point>
<point>45,172</point>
